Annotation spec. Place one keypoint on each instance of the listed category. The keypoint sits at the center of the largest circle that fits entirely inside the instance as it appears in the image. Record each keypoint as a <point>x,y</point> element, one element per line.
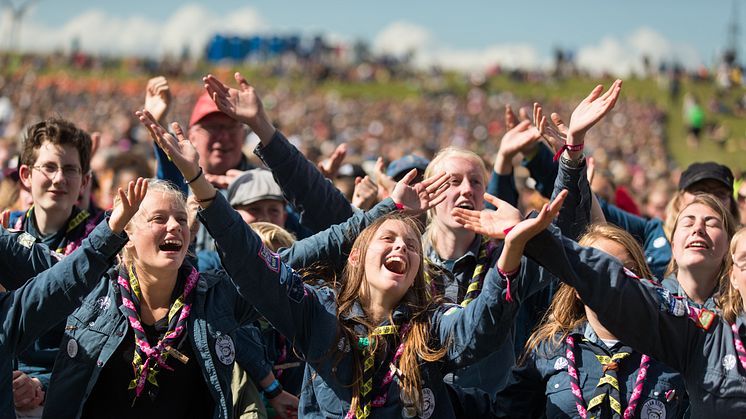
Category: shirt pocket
<point>561,402</point>
<point>724,386</point>
<point>663,400</point>
<point>87,331</point>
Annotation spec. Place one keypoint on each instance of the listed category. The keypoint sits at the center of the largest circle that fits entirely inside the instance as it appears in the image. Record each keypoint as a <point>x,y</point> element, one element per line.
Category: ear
<point>354,258</point>
<point>24,173</point>
<point>84,182</point>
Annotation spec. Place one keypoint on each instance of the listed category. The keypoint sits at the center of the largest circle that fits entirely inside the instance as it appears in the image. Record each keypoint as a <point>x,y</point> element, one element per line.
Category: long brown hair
<point>567,313</point>
<point>729,226</point>
<point>417,344</point>
<point>731,303</point>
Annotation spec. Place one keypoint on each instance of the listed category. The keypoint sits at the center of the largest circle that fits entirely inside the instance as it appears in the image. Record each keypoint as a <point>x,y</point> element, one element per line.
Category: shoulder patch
<point>296,291</point>
<point>270,258</point>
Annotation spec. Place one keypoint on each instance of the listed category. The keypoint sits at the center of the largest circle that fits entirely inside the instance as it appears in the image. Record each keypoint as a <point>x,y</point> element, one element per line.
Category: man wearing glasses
<point>55,164</point>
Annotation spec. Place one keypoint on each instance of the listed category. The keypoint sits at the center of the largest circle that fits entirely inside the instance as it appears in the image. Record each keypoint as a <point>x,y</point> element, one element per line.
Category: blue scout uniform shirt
<point>648,318</point>
<point>35,307</point>
<point>541,385</point>
<point>37,361</point>
<point>99,326</point>
<point>307,317</point>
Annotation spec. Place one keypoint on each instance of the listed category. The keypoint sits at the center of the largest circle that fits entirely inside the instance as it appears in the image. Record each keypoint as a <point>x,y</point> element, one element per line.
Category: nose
<point>698,228</point>
<point>399,244</point>
<point>465,188</point>
<point>173,225</point>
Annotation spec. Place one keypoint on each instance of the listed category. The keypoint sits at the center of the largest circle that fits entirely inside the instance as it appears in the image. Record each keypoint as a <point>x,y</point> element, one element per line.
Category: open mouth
<point>697,245</point>
<point>396,264</point>
<point>171,245</point>
<point>465,205</point>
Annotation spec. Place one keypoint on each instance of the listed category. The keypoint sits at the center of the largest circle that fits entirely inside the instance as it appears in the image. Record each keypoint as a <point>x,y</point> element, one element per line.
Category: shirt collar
<point>472,251</point>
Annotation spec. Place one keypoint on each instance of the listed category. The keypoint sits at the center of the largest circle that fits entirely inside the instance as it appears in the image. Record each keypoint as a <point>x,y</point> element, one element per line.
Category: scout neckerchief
<point>366,402</point>
<point>740,350</point>
<point>80,225</point>
<point>608,385</point>
<point>147,359</point>
<point>486,248</point>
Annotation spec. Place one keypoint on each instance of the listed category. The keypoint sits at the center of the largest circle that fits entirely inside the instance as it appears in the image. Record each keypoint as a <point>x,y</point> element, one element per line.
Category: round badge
<point>225,350</point>
<point>653,409</point>
<point>560,363</point>
<point>428,403</point>
<point>72,348</point>
<point>659,242</point>
<point>729,362</point>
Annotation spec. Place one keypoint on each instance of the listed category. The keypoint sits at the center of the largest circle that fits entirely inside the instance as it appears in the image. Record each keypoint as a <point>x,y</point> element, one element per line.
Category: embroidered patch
<point>428,403</point>
<point>729,362</point>
<point>270,258</point>
<point>26,240</point>
<point>103,303</point>
<point>705,318</point>
<point>295,289</point>
<point>560,364</point>
<point>343,345</point>
<point>653,409</point>
<point>659,242</point>
<point>225,350</point>
<point>72,348</point>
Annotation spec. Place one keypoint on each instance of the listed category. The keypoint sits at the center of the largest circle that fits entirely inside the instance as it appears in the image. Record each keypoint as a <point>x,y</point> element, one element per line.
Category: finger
<point>523,114</point>
<point>510,118</point>
<point>595,93</point>
<point>215,84</point>
<point>358,179</point>
<point>553,207</point>
<point>470,216</point>
<point>537,112</point>
<point>497,202</point>
<point>409,177</point>
<point>522,126</point>
<point>438,182</point>
<point>542,124</point>
<point>241,80</point>
<point>436,200</point>
<point>379,165</point>
<point>178,131</point>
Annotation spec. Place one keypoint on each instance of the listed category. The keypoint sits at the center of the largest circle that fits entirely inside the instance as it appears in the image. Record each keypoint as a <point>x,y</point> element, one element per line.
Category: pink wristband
<point>569,147</point>
<point>399,206</point>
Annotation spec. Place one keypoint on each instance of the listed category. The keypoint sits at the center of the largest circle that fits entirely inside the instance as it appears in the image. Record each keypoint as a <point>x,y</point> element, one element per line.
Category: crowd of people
<point>277,254</point>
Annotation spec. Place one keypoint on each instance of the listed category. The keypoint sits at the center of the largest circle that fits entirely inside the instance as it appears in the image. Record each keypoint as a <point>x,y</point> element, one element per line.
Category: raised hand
<point>487,222</point>
<point>157,97</point>
<point>385,183</point>
<point>365,194</point>
<point>329,167</point>
<point>128,204</point>
<point>522,138</point>
<point>530,227</point>
<point>179,149</point>
<point>224,181</point>
<point>594,107</point>
<point>422,196</point>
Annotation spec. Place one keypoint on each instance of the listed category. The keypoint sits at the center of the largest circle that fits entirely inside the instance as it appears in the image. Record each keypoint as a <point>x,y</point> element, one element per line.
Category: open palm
<point>177,146</point>
<point>487,222</point>
<point>242,104</point>
<point>593,108</point>
<point>422,196</point>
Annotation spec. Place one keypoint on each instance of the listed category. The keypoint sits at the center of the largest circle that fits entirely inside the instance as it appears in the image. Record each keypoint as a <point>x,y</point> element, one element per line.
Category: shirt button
<point>656,393</point>
<point>100,363</point>
<point>556,386</point>
<point>119,333</point>
<point>91,324</point>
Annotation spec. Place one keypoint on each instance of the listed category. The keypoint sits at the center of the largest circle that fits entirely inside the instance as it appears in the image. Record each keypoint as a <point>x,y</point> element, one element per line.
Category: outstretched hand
<point>530,227</point>
<point>157,97</point>
<point>422,196</point>
<point>594,107</point>
<point>128,204</point>
<point>242,104</point>
<point>179,149</point>
<point>487,222</point>
<point>329,167</point>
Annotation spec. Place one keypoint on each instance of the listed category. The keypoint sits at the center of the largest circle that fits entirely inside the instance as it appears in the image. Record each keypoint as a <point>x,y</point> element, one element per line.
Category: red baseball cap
<point>204,106</point>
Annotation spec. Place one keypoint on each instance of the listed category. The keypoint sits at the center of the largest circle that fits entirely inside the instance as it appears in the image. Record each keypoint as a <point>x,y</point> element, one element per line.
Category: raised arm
<point>46,300</point>
<point>633,310</point>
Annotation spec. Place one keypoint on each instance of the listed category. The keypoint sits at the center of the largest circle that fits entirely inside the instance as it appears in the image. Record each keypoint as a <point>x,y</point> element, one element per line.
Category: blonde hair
<point>567,312</point>
<point>154,186</point>
<point>436,166</point>
<point>417,301</point>
<point>731,303</point>
<point>729,225</point>
<point>272,235</point>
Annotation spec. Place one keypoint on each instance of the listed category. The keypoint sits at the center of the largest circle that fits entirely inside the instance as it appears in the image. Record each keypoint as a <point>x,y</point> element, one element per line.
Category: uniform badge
<point>72,348</point>
<point>270,258</point>
<point>705,318</point>
<point>659,242</point>
<point>729,362</point>
<point>103,303</point>
<point>225,350</point>
<point>653,409</point>
<point>26,240</point>
<point>560,364</point>
<point>428,403</point>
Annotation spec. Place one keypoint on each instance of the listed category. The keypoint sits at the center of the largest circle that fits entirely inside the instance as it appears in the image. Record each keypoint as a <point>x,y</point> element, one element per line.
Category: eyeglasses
<point>50,170</point>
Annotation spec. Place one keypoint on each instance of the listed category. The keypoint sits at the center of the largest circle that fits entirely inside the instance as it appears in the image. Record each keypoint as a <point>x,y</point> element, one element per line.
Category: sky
<point>468,35</point>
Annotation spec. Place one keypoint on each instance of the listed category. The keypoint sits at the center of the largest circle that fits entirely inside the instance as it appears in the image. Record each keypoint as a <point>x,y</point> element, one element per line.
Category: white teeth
<point>698,245</point>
